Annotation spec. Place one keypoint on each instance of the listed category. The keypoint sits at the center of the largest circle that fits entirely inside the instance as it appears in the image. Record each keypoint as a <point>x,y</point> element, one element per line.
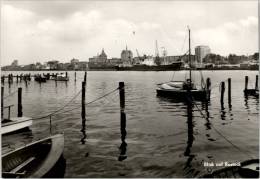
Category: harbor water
<point>160,140</point>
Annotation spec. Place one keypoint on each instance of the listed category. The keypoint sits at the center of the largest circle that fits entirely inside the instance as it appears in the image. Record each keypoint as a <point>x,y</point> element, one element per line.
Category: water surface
<point>161,141</point>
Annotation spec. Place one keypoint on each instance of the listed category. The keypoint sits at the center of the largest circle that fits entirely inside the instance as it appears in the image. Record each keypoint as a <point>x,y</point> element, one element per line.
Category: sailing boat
<point>185,89</point>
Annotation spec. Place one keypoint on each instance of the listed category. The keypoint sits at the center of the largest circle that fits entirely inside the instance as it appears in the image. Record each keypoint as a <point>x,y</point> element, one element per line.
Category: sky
<point>43,30</point>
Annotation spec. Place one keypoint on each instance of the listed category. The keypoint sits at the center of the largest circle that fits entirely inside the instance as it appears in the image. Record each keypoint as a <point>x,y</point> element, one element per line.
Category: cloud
<point>38,31</point>
<point>238,37</point>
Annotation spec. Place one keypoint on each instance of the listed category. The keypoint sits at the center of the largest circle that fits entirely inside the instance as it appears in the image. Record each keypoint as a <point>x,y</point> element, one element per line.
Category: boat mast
<point>189,57</point>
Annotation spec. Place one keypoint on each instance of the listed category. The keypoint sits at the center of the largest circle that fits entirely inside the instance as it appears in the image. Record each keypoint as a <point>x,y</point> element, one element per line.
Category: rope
<point>10,94</point>
<point>58,109</point>
<point>222,134</point>
<point>102,96</point>
<point>55,112</point>
<point>92,101</point>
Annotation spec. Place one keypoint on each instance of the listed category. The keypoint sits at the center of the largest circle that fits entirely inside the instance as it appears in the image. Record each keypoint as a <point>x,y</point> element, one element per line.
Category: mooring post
<point>85,76</point>
<point>75,76</point>
<point>222,93</point>
<point>2,102</point>
<point>3,79</point>
<point>256,82</point>
<point>208,87</point>
<point>123,145</point>
<point>26,82</point>
<point>17,78</point>
<point>122,95</point>
<point>246,82</point>
<point>9,79</point>
<point>229,91</point>
<point>66,74</point>
<point>20,107</point>
<point>83,112</point>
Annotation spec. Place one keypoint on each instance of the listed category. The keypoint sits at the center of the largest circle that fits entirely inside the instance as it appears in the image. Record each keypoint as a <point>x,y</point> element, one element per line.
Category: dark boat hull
<point>174,66</point>
<point>40,79</point>
<point>202,95</point>
<point>251,92</point>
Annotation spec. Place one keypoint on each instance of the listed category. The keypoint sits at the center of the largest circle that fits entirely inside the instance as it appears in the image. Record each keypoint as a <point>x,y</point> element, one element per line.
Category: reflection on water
<point>205,106</point>
<point>187,152</point>
<point>83,130</point>
<point>123,146</point>
<point>163,139</point>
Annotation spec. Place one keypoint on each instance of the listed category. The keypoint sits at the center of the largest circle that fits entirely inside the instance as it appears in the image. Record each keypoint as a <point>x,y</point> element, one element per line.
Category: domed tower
<point>103,56</point>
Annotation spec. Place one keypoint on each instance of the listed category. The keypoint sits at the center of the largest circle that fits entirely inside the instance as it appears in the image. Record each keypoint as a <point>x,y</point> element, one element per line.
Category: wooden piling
<point>85,76</point>
<point>75,75</point>
<point>17,78</point>
<point>256,82</point>
<point>229,91</point>
<point>123,145</point>
<point>20,112</point>
<point>26,84</point>
<point>66,74</point>
<point>2,102</point>
<point>246,82</point>
<point>208,88</point>
<point>122,95</point>
<point>9,79</point>
<point>3,79</point>
<point>208,84</point>
<point>83,112</point>
<point>222,93</point>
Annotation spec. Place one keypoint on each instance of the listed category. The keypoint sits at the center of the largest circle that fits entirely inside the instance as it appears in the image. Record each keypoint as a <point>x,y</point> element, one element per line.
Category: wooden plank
<point>19,167</point>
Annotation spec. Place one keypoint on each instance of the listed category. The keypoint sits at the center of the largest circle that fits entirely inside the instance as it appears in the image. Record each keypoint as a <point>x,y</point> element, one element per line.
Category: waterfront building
<point>101,61</point>
<point>82,65</point>
<point>74,64</point>
<point>201,52</point>
<point>52,65</point>
<point>38,65</point>
<point>14,63</point>
<point>126,57</point>
<point>115,61</point>
<point>102,58</point>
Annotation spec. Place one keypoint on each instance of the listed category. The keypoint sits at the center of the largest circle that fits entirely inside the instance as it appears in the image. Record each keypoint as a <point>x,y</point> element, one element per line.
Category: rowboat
<point>15,124</point>
<point>43,158</point>
<point>248,169</point>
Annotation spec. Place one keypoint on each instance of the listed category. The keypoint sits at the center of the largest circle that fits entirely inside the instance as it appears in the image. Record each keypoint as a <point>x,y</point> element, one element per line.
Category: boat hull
<point>62,79</point>
<point>251,92</point>
<point>202,95</point>
<point>174,66</point>
<point>43,158</point>
<point>15,125</point>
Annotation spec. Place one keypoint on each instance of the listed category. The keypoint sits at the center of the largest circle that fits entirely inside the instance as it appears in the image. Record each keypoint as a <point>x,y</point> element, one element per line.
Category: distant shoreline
<point>215,69</point>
